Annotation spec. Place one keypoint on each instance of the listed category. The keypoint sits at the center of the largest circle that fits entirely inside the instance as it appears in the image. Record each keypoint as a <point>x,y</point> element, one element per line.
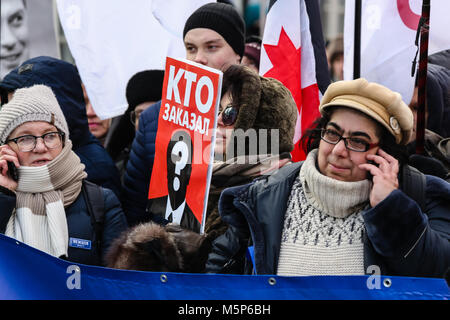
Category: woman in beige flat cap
<point>345,210</point>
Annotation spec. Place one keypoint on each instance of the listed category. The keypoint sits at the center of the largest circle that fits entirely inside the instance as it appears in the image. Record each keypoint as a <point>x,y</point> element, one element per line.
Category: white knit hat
<point>36,103</point>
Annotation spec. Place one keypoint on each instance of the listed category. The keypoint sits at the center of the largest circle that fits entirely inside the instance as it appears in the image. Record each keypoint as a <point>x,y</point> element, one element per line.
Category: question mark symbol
<point>179,148</point>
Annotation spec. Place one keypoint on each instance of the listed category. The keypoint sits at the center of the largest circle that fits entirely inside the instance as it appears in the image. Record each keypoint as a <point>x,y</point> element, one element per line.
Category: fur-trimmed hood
<point>152,247</point>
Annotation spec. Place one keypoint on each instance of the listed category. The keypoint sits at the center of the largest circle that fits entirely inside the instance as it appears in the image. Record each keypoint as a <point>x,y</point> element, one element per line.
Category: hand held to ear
<point>8,160</point>
<point>385,175</point>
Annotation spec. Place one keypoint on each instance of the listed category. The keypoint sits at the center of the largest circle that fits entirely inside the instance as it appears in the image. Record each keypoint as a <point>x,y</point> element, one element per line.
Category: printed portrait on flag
<point>27,31</point>
<point>182,169</point>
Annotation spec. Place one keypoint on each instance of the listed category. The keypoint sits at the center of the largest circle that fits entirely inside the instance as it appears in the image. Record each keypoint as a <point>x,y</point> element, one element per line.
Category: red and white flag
<point>293,52</point>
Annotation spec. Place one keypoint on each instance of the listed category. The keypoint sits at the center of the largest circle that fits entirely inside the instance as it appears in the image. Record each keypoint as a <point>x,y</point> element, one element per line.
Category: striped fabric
<point>42,194</point>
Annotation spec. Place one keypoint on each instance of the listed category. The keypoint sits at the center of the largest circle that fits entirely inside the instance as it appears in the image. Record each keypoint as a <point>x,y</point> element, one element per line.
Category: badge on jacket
<point>80,243</point>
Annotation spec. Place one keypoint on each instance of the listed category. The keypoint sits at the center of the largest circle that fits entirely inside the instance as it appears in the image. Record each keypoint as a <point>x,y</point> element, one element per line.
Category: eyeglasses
<point>134,116</point>
<point>229,115</point>
<point>27,143</point>
<point>352,143</point>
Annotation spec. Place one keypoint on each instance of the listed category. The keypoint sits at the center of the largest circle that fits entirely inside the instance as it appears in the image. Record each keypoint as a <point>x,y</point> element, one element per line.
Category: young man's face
<point>14,35</point>
<point>209,48</point>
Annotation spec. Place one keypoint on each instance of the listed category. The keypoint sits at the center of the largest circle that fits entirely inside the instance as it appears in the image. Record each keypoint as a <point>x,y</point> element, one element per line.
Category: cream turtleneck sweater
<point>323,227</point>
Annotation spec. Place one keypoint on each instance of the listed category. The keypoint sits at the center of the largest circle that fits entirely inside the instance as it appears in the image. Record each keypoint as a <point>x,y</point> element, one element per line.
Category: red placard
<point>184,143</point>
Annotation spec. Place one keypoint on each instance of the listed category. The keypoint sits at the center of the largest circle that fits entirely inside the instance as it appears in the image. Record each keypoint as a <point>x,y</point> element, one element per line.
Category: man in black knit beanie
<point>214,35</point>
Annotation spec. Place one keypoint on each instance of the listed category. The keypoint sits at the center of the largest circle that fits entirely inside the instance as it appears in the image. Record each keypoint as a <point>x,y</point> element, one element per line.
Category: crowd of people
<point>76,187</point>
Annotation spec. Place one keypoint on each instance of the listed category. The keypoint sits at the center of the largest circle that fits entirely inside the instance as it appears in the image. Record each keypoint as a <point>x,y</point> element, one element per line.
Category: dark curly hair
<point>311,138</point>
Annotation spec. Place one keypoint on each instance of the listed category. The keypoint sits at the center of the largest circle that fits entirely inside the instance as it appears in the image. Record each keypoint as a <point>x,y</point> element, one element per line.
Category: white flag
<point>388,34</point>
<point>111,40</point>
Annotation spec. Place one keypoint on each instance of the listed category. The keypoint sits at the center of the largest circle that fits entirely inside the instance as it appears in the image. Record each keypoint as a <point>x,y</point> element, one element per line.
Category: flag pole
<point>422,77</point>
<point>357,41</point>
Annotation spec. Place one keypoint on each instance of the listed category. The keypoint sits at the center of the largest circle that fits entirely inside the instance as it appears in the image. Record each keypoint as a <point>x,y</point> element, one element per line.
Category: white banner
<point>388,33</point>
<point>111,40</point>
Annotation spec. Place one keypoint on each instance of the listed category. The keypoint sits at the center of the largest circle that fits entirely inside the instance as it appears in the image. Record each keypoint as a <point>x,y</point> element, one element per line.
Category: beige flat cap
<point>376,101</point>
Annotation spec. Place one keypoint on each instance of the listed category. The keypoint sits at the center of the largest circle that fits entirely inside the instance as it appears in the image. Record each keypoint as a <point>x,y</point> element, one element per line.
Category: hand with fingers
<point>7,155</point>
<point>385,175</point>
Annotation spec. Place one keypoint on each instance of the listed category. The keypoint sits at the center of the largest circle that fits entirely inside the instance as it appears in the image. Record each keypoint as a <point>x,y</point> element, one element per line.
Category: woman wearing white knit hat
<point>353,207</point>
<point>43,206</point>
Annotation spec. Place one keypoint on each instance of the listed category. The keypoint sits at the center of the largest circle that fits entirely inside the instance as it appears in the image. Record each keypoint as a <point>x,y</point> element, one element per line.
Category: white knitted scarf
<point>42,195</point>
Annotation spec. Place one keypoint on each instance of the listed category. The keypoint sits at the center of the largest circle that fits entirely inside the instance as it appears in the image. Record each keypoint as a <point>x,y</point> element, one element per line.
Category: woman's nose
<point>340,148</point>
<point>219,120</point>
<point>40,145</point>
<point>90,111</point>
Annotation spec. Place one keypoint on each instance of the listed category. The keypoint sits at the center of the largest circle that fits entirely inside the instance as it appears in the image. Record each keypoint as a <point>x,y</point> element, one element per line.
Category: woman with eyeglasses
<point>342,211</point>
<point>43,200</point>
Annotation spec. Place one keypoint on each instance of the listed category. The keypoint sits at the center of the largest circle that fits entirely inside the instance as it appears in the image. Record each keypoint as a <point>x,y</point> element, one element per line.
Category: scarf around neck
<point>337,198</point>
<point>43,193</point>
<point>233,172</point>
<point>243,169</point>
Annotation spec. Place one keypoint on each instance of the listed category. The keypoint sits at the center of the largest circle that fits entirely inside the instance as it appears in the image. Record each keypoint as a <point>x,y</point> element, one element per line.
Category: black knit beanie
<point>223,19</point>
<point>144,86</point>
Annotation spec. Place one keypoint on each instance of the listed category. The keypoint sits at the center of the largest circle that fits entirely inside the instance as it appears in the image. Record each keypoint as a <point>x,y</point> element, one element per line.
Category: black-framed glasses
<point>352,143</point>
<point>229,115</point>
<point>27,143</point>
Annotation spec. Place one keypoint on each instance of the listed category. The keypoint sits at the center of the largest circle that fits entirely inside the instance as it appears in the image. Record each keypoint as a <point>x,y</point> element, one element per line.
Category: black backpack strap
<point>93,194</point>
<point>413,183</point>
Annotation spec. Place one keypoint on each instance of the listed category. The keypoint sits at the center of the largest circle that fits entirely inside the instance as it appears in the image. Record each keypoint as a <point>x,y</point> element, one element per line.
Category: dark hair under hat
<point>222,18</point>
<point>144,86</point>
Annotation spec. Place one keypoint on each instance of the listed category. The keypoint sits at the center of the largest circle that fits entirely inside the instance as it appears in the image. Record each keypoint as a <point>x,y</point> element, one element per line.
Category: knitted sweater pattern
<point>316,242</point>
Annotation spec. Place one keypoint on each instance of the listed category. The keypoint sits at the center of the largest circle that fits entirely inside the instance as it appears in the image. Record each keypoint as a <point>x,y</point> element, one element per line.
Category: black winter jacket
<point>79,225</point>
<point>438,100</point>
<point>400,239</point>
<point>136,180</point>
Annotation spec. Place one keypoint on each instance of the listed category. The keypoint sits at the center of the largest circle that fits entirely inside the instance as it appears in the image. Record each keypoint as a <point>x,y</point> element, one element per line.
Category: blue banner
<point>26,273</point>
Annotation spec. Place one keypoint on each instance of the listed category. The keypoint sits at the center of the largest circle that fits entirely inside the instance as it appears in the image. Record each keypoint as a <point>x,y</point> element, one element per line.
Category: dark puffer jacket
<point>438,99</point>
<point>400,238</point>
<point>136,180</point>
<point>79,225</point>
<point>65,82</point>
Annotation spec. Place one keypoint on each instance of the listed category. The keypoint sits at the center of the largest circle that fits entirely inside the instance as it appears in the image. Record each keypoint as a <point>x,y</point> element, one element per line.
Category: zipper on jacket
<point>249,212</point>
